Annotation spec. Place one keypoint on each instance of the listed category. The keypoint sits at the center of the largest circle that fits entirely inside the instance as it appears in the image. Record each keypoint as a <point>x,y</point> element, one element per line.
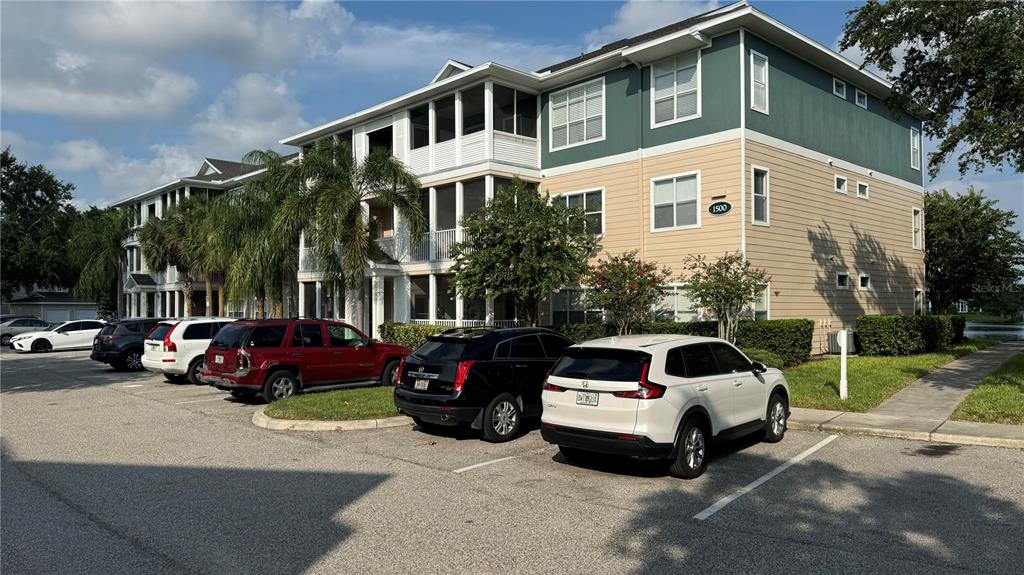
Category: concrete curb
<point>938,435</point>
<point>260,419</point>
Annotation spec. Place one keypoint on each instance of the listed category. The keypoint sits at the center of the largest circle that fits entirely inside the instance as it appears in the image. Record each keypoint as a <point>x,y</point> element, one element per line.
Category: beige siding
<point>815,232</point>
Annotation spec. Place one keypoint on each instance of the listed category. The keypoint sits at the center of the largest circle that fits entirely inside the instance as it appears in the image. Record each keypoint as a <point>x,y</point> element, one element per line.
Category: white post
<point>842,364</point>
<point>319,300</point>
<point>432,298</point>
<point>458,128</point>
<point>489,120</point>
<point>302,300</point>
<point>460,201</point>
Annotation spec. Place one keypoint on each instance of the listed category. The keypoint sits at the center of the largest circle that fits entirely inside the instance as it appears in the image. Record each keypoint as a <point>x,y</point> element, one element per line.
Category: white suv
<point>177,347</point>
<point>660,397</point>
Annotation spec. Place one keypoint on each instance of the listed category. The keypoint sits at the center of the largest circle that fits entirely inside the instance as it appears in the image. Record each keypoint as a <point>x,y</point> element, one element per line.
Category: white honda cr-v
<point>660,397</point>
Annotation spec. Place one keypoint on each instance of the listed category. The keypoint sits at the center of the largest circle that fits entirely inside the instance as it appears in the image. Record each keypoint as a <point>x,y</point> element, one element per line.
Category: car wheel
<point>131,361</point>
<point>195,369</point>
<point>279,385</point>
<point>691,453</point>
<point>5,339</point>
<point>502,418</point>
<point>41,345</point>
<point>775,422</point>
<point>389,376</point>
<point>174,377</point>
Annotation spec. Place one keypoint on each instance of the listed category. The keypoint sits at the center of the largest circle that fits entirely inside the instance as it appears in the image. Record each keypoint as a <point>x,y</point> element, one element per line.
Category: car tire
<point>130,361</point>
<point>174,377</point>
<point>502,418</point>
<point>776,419</point>
<point>692,450</point>
<point>41,345</point>
<point>279,385</point>
<point>5,339</point>
<point>390,373</point>
<point>195,368</point>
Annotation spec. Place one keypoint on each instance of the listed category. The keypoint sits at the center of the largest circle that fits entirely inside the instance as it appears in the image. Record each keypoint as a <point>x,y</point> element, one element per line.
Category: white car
<point>17,326</point>
<point>660,397</point>
<point>68,335</point>
<point>177,347</point>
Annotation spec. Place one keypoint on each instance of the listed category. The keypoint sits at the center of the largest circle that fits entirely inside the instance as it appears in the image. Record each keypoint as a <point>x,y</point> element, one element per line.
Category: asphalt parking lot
<point>107,472</point>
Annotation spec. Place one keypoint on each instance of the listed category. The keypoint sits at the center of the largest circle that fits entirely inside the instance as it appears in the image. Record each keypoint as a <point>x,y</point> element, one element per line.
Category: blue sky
<point>120,97</point>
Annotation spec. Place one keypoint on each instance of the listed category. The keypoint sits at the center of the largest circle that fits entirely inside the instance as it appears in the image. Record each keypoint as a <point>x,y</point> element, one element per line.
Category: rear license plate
<point>586,398</point>
<point>218,359</point>
<point>422,383</point>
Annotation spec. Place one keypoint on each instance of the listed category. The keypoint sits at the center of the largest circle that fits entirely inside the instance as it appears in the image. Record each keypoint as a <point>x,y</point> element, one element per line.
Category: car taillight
<point>461,373</point>
<point>398,376</point>
<point>242,362</point>
<point>648,389</point>
<point>548,386</point>
<point>168,344</point>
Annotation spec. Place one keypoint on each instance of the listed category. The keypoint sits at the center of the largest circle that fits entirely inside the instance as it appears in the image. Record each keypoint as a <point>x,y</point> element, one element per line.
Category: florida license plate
<point>218,359</point>
<point>421,383</point>
<point>586,397</point>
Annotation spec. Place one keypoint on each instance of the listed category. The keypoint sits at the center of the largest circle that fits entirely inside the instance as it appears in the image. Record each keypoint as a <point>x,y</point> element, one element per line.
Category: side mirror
<point>758,367</point>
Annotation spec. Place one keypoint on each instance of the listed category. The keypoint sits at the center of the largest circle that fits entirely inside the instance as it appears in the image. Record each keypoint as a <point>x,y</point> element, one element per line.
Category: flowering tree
<point>626,287</point>
<point>726,286</point>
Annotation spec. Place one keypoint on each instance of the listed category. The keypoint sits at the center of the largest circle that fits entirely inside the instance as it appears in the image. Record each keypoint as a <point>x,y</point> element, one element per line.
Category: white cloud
<point>78,155</point>
<point>639,16</point>
<point>16,141</point>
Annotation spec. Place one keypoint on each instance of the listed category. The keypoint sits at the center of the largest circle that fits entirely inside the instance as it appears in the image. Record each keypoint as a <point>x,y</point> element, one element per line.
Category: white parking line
<point>478,465</point>
<point>718,505</point>
<point>219,398</point>
<point>163,390</point>
<point>133,385</point>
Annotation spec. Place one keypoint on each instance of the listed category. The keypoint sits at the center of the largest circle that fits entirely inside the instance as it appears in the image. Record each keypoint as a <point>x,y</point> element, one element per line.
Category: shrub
<point>959,323</point>
<point>411,335</point>
<point>908,334</point>
<point>936,331</point>
<point>764,356</point>
<point>700,328</point>
<point>580,332</point>
<point>790,339</point>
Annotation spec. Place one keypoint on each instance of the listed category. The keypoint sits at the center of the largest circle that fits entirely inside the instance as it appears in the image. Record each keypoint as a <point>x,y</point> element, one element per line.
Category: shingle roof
<point>229,169</point>
<point>143,280</point>
<point>49,297</point>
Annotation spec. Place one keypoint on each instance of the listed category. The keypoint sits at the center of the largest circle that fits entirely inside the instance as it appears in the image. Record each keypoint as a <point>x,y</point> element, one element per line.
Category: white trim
<point>604,116</point>
<point>846,184</point>
<point>214,168</point>
<point>857,93</point>
<point>483,166</point>
<point>915,158</point>
<point>766,97</point>
<point>743,145</point>
<point>583,192</point>
<point>867,190</point>
<point>836,92</point>
<point>916,233</point>
<point>698,200</point>
<point>843,273</point>
<point>675,120</point>
<point>449,64</point>
<point>860,282</point>
<point>767,196</point>
<point>841,164</point>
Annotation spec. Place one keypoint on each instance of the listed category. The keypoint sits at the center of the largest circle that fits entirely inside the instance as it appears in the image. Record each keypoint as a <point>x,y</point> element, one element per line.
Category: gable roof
<point>450,68</point>
<point>228,169</point>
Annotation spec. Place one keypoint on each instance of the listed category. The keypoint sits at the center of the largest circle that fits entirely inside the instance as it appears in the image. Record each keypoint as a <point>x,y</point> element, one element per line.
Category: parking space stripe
<point>219,398</point>
<point>132,385</point>
<point>718,505</point>
<point>165,390</point>
<point>478,465</point>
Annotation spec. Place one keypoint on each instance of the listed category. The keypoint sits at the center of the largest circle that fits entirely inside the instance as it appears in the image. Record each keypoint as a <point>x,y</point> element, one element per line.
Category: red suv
<point>278,358</point>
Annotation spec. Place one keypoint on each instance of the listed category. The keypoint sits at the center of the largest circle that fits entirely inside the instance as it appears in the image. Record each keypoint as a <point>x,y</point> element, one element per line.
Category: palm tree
<point>328,208</point>
<point>176,240</point>
<point>97,249</point>
<point>220,233</point>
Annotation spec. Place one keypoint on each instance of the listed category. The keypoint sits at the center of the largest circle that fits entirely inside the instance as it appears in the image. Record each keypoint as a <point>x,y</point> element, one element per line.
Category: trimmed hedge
<point>411,335</point>
<point>766,357</point>
<point>585,331</point>
<point>908,334</point>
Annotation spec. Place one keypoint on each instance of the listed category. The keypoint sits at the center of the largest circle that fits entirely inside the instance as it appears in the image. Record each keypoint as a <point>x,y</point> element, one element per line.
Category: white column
<point>431,125</point>
<point>319,299</point>
<point>143,305</point>
<point>302,300</point>
<point>338,300</point>
<point>458,308</point>
<point>177,305</point>
<point>488,188</point>
<point>488,120</point>
<point>460,197</point>
<point>432,299</point>
<point>489,310</point>
<point>458,128</point>
<point>402,296</point>
<point>432,219</point>
<point>377,301</point>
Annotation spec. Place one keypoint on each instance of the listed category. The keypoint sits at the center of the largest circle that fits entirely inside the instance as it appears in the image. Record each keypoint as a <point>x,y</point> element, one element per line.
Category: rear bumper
<point>433,410</point>
<point>161,366</point>
<point>604,442</point>
<point>228,382</point>
<point>105,356</point>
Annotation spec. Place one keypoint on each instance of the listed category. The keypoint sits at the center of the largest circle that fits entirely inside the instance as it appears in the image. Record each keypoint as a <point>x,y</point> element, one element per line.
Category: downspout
<point>743,146</point>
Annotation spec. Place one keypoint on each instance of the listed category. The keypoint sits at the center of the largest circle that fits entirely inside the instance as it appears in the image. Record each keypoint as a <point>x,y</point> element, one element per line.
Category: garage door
<point>56,315</point>
<point>88,313</point>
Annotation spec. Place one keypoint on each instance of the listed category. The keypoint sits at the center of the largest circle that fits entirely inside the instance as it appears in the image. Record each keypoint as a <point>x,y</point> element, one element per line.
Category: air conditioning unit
<point>833,342</point>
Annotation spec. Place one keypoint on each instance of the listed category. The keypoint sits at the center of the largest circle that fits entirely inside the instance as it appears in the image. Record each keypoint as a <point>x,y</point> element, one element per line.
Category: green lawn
<point>344,404</point>
<point>871,380</point>
<point>999,398</point>
<point>989,319</point>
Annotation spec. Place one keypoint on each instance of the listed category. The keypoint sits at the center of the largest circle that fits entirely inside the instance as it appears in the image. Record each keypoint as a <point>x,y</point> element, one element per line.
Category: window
<point>760,191</point>
<point>758,82</point>
<point>526,347</point>
<point>266,336</point>
<point>577,114</point>
<point>197,331</point>
<point>839,88</point>
<point>343,336</point>
<point>73,326</point>
<point>699,361</point>
<point>592,204</point>
<point>729,359</point>
<point>861,98</point>
<point>864,282</point>
<point>915,148</point>
<point>916,223</point>
<point>569,306</point>
<point>842,280</point>
<point>761,308</point>
<point>444,119</point>
<point>554,345</point>
<point>841,184</point>
<point>676,93</point>
<point>918,302</point>
<point>862,190</point>
<point>515,112</point>
<point>419,121</point>
<point>675,202</point>
<point>675,305</point>
<point>601,364</point>
<point>674,364</point>
<point>307,335</point>
<point>473,110</point>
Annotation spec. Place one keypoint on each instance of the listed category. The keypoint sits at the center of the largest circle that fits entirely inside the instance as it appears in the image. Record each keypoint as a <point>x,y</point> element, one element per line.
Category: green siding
<point>804,111</point>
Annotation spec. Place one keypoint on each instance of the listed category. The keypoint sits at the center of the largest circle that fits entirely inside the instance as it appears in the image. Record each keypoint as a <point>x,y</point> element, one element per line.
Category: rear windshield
<point>230,336</point>
<point>160,331</point>
<point>601,364</point>
<point>132,328</point>
<point>107,329</point>
<point>440,351</point>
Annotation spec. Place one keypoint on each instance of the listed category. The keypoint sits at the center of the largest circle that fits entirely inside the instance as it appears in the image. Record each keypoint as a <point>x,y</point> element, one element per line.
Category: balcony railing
<point>472,322</point>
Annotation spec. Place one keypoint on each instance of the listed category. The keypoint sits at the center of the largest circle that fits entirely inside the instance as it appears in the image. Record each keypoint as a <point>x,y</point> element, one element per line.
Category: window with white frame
<point>918,301</point>
<point>839,88</point>
<point>675,305</point>
<point>760,192</point>
<point>577,114</point>
<point>915,148</point>
<point>592,204</point>
<point>841,184</point>
<point>864,281</point>
<point>569,305</point>
<point>758,82</point>
<point>842,280</point>
<point>675,202</point>
<point>916,225</point>
<point>861,98</point>
<point>862,190</point>
<point>676,93</point>
<point>760,310</point>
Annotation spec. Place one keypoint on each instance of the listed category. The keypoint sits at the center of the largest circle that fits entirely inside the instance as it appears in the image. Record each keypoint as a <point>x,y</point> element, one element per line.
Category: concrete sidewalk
<point>921,410</point>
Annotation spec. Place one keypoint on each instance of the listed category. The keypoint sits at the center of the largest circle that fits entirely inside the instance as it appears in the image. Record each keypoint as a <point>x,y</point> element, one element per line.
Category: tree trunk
<point>186,288</point>
<point>278,309</point>
<point>261,312</point>
<point>532,312</point>
<point>358,308</point>
<point>220,298</point>
<point>208,278</point>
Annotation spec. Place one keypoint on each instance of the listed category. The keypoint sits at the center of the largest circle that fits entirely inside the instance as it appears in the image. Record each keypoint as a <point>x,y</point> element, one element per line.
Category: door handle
<point>296,355</point>
<point>702,388</point>
<point>336,354</point>
<point>737,382</point>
